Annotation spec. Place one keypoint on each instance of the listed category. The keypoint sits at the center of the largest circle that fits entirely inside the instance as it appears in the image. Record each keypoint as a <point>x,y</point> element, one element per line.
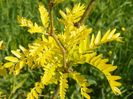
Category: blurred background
<point>105,14</point>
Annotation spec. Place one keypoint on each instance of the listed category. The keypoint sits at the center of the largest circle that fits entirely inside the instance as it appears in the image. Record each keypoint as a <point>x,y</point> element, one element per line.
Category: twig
<point>61,46</point>
<point>56,92</point>
<point>86,13</point>
<point>62,49</point>
<point>51,17</point>
<point>52,33</point>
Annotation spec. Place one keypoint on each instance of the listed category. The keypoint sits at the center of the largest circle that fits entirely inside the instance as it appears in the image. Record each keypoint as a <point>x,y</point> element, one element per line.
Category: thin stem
<point>61,46</point>
<point>63,50</point>
<point>51,17</point>
<point>86,13</point>
<point>56,92</point>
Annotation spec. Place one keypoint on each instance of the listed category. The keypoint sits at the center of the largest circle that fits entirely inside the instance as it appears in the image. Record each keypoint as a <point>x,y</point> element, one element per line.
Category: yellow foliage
<point>95,42</point>
<point>83,84</point>
<point>101,64</point>
<point>63,85</point>
<point>36,91</point>
<point>72,15</point>
<point>3,71</point>
<point>16,63</point>
<point>46,53</point>
<point>49,72</point>
<point>44,16</point>
<point>33,27</point>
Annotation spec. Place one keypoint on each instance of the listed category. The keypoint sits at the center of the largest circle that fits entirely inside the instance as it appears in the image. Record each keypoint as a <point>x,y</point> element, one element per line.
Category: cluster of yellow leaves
<point>16,63</point>
<point>72,16</point>
<point>34,94</point>
<point>44,16</point>
<point>3,71</point>
<point>32,27</point>
<point>63,85</point>
<point>108,37</point>
<point>101,64</point>
<point>80,45</point>
<point>80,79</point>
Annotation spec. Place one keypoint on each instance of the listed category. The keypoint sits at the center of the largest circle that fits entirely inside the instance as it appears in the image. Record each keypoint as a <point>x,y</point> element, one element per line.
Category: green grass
<point>106,14</point>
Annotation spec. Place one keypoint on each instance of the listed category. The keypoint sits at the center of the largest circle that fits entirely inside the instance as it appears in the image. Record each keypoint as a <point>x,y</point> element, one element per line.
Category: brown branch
<point>52,33</point>
<point>63,50</point>
<point>86,13</point>
<point>51,17</point>
<point>61,46</point>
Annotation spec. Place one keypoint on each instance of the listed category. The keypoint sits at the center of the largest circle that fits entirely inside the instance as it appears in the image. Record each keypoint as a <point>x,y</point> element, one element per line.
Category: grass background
<point>106,14</point>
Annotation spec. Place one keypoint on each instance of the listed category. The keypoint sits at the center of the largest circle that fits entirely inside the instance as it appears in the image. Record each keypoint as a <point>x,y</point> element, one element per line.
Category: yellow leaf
<point>44,38</point>
<point>21,64</point>
<point>24,22</point>
<point>105,36</point>
<point>116,35</point>
<point>116,90</point>
<point>114,77</point>
<point>97,61</point>
<point>93,60</point>
<point>3,71</point>
<point>63,85</point>
<point>111,34</point>
<point>36,29</point>
<point>92,41</point>
<point>17,69</point>
<point>109,68</point>
<point>33,28</point>
<point>11,59</point>
<point>89,56</point>
<point>38,87</point>
<point>115,83</point>
<point>30,96</point>
<point>16,53</point>
<point>49,72</point>
<point>22,48</point>
<point>72,15</point>
<point>78,11</point>
<point>1,45</point>
<point>85,94</point>
<point>80,79</point>
<point>8,64</point>
<point>44,15</point>
<point>98,38</point>
<point>35,94</point>
<point>81,47</point>
<point>63,14</point>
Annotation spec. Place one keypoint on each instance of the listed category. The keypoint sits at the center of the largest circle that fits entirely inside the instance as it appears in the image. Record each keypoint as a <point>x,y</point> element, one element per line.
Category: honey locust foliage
<point>56,53</point>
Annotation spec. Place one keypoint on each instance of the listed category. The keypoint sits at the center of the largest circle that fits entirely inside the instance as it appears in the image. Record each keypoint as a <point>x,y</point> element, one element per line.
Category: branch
<point>86,13</point>
<point>51,17</point>
<point>63,49</point>
<point>61,46</point>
